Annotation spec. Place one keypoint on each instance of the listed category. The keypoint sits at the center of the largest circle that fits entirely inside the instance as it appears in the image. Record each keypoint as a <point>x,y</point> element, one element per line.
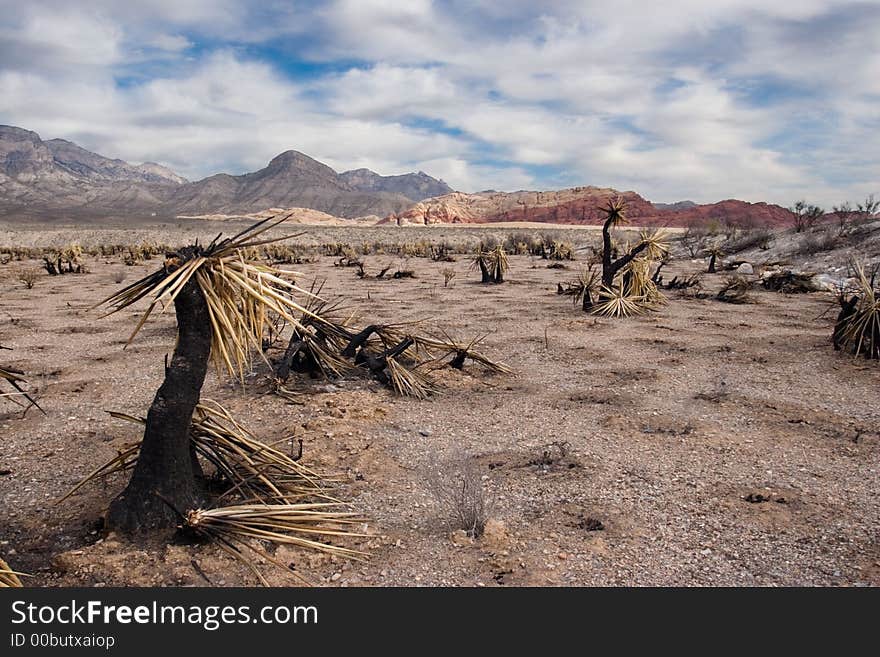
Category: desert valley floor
<point>703,444</point>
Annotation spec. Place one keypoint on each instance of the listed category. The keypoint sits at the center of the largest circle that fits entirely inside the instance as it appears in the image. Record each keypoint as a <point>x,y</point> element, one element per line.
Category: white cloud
<point>688,99</point>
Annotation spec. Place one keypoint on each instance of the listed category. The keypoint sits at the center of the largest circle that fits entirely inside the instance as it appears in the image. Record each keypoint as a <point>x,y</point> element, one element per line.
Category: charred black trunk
<point>657,278</point>
<point>588,301</point>
<point>611,264</point>
<point>377,364</point>
<point>297,358</point>
<point>167,474</point>
<point>484,270</point>
<point>712,264</point>
<point>358,341</point>
<point>848,309</point>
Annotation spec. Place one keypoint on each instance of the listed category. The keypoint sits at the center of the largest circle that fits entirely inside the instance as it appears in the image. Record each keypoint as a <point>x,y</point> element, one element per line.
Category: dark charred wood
<point>611,264</point>
<point>847,310</point>
<point>458,361</point>
<point>484,270</point>
<point>357,341</point>
<point>587,301</point>
<point>167,473</point>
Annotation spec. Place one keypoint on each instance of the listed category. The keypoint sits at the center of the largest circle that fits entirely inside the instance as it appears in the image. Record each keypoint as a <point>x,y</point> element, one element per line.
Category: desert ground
<point>702,444</point>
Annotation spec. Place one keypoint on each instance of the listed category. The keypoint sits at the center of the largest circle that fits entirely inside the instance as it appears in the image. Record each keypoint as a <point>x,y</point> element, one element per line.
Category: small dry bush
<point>750,239</point>
<point>814,243</point>
<point>29,276</point>
<point>458,488</point>
<point>735,290</point>
<point>448,275</point>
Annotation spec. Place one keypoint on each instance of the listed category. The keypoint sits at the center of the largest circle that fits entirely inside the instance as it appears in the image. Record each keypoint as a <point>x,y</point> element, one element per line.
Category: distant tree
<point>694,238</point>
<point>714,252</point>
<point>869,208</point>
<point>805,215</point>
<point>845,215</point>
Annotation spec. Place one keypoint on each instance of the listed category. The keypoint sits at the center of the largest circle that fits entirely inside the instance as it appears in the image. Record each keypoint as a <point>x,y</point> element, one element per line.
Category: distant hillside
<point>580,205</point>
<point>293,179</point>
<point>680,205</point>
<point>59,178</point>
<point>415,186</point>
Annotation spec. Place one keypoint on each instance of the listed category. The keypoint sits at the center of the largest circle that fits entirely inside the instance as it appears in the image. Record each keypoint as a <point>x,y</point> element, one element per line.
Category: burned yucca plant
<point>583,290</point>
<point>713,253</point>
<point>492,263</point>
<point>439,349</point>
<point>627,286</point>
<point>222,303</point>
<point>857,329</point>
<point>242,465</point>
<point>316,340</point>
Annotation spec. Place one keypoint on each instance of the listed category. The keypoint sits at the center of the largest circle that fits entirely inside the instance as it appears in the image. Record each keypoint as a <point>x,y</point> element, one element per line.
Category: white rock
<point>745,268</point>
<point>825,282</point>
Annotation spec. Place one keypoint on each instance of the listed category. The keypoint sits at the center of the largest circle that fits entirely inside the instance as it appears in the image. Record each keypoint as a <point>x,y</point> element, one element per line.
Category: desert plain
<point>704,443</point>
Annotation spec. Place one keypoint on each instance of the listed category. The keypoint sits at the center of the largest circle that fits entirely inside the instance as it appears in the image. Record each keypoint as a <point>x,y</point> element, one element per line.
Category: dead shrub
<point>29,276</point>
<point>458,488</point>
<point>448,275</point>
<point>814,243</point>
<point>735,290</point>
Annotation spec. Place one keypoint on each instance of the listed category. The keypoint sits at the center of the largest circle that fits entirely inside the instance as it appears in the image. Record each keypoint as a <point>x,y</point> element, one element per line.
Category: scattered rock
<point>495,533</point>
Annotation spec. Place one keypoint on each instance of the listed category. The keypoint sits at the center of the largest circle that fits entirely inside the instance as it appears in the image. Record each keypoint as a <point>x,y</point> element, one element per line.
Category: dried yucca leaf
<point>251,468</point>
<point>8,577</point>
<point>858,325</point>
<point>303,525</point>
<point>617,303</point>
<point>240,294</point>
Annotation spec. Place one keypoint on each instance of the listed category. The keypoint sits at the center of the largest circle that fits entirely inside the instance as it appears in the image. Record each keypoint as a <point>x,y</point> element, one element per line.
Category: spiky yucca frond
<point>409,381</point>
<point>615,211</point>
<point>15,378</point>
<point>657,241</point>
<point>499,264</point>
<point>859,328</point>
<point>320,336</point>
<point>288,524</point>
<point>386,336</point>
<point>8,577</point>
<point>638,282</point>
<point>443,347</point>
<point>616,302</point>
<point>251,468</point>
<point>240,294</point>
<point>582,289</point>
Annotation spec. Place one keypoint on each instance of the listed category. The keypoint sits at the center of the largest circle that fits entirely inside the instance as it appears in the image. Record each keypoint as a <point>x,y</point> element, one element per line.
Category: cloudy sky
<point>684,99</point>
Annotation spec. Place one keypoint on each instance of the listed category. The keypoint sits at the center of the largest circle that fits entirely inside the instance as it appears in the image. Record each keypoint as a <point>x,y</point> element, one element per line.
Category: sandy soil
<point>714,444</point>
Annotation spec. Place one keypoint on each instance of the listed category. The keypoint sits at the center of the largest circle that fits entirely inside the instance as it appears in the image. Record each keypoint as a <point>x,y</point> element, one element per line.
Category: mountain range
<point>56,179</point>
<point>582,205</point>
